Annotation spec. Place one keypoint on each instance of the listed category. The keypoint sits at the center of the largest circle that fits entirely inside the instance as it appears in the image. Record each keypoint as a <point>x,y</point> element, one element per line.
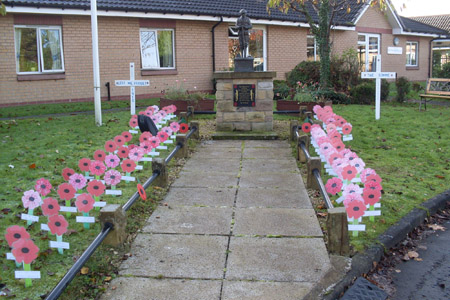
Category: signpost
<point>132,83</point>
<point>378,75</point>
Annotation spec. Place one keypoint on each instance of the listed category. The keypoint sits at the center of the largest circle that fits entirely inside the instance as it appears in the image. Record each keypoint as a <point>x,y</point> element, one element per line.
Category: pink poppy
<point>31,199</point>
<point>97,167</point>
<point>163,114</point>
<point>371,196</point>
<point>145,136</point>
<point>141,112</point>
<point>132,146</point>
<point>352,189</point>
<point>110,146</point>
<point>175,126</point>
<point>15,233</point>
<point>333,186</point>
<point>148,113</point>
<point>338,165</point>
<point>338,145</point>
<point>150,109</point>
<point>348,172</point>
<point>112,177</point>
<point>358,164</point>
<point>322,139</point>
<point>154,141</point>
<point>333,157</point>
<point>356,209</point>
<point>136,154</point>
<point>334,134</point>
<point>128,165</point>
<point>373,177</point>
<point>96,188</point>
<point>167,130</point>
<point>119,140</point>
<point>331,127</point>
<point>77,181</point>
<point>146,146</point>
<point>66,191</point>
<point>57,224</point>
<point>43,186</point>
<point>162,136</point>
<point>352,197</point>
<point>306,127</point>
<point>85,203</point>
<point>326,148</point>
<point>83,164</point>
<point>373,185</point>
<point>350,155</point>
<point>127,136</point>
<point>184,128</point>
<point>365,173</point>
<point>122,152</point>
<point>156,118</point>
<point>346,151</point>
<point>99,155</point>
<point>112,161</point>
<point>66,173</point>
<point>24,250</point>
<point>347,128</point>
<point>133,122</point>
<point>50,207</point>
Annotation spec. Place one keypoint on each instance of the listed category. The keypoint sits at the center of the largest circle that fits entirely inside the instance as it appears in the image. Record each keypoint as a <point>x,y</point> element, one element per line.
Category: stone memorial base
<point>231,114</point>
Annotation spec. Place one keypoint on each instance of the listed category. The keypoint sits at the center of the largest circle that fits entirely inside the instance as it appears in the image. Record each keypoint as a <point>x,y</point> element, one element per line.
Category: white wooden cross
<point>132,83</point>
<point>378,75</point>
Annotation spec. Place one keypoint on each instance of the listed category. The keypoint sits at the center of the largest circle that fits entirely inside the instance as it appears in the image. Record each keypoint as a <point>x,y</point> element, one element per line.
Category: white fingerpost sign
<point>132,83</point>
<point>378,75</point>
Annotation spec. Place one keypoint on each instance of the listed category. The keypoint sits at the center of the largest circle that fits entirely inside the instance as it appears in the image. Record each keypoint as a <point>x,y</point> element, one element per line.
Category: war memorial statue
<point>242,62</point>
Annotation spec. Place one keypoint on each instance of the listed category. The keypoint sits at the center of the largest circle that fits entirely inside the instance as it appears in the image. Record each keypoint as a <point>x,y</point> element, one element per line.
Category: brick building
<point>46,45</point>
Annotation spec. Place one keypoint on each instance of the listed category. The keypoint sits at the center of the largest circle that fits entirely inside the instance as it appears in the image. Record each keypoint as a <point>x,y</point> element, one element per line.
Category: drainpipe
<point>214,44</point>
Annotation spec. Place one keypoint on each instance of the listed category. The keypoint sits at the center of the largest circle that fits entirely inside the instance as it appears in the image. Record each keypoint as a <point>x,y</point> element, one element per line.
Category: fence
<point>337,223</point>
<point>113,217</point>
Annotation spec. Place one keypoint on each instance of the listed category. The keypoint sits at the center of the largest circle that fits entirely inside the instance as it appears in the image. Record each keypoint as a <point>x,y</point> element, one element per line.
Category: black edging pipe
<point>67,279</point>
<point>136,195</point>
<point>214,44</point>
<point>328,203</point>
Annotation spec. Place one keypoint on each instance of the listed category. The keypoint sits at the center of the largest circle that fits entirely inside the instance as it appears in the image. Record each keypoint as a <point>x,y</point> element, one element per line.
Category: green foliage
<point>403,88</point>
<point>337,98</point>
<point>2,9</point>
<point>281,89</point>
<point>304,72</point>
<point>345,71</point>
<point>364,93</point>
<point>417,87</point>
<point>179,92</point>
<point>444,71</point>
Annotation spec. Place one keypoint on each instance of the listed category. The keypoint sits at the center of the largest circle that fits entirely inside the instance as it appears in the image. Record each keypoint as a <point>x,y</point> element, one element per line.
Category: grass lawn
<point>408,148</point>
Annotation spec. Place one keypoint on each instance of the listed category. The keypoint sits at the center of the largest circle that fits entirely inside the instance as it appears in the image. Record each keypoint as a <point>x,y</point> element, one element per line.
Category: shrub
<point>384,89</point>
<point>364,93</point>
<point>345,71</point>
<point>417,87</point>
<point>444,71</point>
<point>304,72</point>
<point>337,98</point>
<point>281,89</point>
<point>403,87</point>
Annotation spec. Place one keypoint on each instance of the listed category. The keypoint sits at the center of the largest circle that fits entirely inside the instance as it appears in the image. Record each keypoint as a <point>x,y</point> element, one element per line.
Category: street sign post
<point>132,83</point>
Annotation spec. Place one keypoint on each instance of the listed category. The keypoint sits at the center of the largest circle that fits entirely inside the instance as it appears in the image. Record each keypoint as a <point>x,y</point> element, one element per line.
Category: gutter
<point>214,43</point>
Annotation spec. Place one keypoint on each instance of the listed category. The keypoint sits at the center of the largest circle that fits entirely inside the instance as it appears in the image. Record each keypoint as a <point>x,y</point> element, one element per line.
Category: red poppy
<point>83,164</point>
<point>333,157</point>
<point>141,191</point>
<point>145,136</point>
<point>334,134</point>
<point>306,127</point>
<point>67,172</point>
<point>341,122</point>
<point>373,185</point>
<point>339,145</point>
<point>162,136</point>
<point>146,146</point>
<point>141,112</point>
<point>43,186</point>
<point>85,202</point>
<point>24,250</point>
<point>355,209</point>
<point>127,136</point>
<point>57,224</point>
<point>148,113</point>
<point>96,188</point>
<point>99,155</point>
<point>110,146</point>
<point>66,191</point>
<point>122,152</point>
<point>371,196</point>
<point>349,172</point>
<point>154,141</point>
<point>374,177</point>
<point>97,167</point>
<point>347,128</point>
<point>119,140</point>
<point>133,122</point>
<point>14,233</point>
<point>184,127</point>
<point>333,186</point>
<point>128,165</point>
<point>50,207</point>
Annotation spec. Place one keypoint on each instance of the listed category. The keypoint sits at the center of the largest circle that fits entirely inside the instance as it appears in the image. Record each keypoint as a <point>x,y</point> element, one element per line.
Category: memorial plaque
<point>244,95</point>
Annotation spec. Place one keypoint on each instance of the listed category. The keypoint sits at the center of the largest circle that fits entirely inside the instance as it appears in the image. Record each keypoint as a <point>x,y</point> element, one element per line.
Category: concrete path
<point>238,225</point>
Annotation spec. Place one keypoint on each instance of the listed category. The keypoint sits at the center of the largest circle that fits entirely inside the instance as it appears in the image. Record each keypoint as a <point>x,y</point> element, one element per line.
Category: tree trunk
<point>324,46</point>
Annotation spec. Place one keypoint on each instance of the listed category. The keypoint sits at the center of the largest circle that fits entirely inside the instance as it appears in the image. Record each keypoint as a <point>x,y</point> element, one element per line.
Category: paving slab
<point>277,259</point>
<point>214,152</point>
<point>200,220</point>
<point>271,180</point>
<point>179,256</point>
<point>208,180</point>
<point>222,144</point>
<point>262,290</point>
<point>267,152</point>
<point>281,198</point>
<point>266,144</point>
<point>136,288</point>
<point>259,165</point>
<point>276,221</point>
<point>200,196</point>
<point>207,165</point>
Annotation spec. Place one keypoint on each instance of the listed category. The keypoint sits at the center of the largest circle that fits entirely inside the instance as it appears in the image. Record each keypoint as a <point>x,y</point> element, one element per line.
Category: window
<point>412,52</point>
<point>368,48</point>
<point>312,52</point>
<point>157,49</point>
<point>256,47</point>
<point>38,49</point>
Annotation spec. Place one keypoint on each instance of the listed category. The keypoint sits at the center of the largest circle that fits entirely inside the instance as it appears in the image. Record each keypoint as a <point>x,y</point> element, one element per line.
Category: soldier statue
<point>243,24</point>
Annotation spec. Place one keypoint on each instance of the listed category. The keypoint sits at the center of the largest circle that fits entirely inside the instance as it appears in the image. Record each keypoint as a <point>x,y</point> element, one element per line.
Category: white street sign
<point>132,83</point>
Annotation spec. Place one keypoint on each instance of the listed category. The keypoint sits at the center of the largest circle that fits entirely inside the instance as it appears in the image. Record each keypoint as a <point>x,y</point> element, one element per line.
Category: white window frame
<point>264,30</point>
<point>157,51</point>
<point>39,49</point>
<point>410,43</point>
<point>315,45</point>
<point>366,45</point>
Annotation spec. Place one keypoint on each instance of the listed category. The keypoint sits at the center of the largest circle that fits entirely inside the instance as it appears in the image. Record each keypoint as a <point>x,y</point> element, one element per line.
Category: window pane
<point>362,57</point>
<point>373,51</point>
<point>26,50</point>
<point>165,48</point>
<point>310,48</point>
<point>361,38</point>
<point>149,50</point>
<point>51,50</point>
<point>255,49</point>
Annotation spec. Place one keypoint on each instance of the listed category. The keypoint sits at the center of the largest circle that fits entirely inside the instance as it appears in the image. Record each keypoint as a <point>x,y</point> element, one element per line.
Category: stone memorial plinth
<point>244,101</point>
